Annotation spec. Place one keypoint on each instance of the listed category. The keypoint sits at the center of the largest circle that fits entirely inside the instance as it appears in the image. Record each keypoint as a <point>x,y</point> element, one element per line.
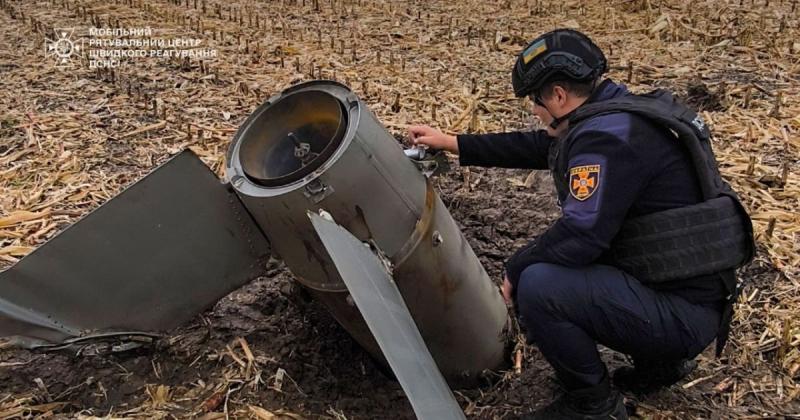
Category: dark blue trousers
<point>567,311</point>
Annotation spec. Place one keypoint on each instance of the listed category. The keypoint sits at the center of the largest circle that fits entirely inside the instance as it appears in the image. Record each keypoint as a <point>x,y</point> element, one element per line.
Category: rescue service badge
<point>583,181</point>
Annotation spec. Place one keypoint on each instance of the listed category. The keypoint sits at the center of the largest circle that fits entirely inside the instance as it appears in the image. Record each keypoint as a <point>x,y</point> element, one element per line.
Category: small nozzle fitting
<point>415,153</point>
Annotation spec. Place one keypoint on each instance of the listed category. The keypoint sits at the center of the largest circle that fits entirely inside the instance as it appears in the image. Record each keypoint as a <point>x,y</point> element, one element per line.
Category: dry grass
<point>72,139</point>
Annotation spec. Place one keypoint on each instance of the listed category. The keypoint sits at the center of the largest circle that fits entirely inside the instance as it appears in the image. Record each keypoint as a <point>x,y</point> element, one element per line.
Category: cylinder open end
<point>292,137</point>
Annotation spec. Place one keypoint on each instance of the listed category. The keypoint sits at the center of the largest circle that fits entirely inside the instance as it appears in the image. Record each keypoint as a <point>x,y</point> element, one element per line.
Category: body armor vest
<point>713,235</point>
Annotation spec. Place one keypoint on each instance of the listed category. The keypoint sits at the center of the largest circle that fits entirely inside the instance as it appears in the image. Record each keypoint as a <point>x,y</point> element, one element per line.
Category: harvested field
<point>71,137</point>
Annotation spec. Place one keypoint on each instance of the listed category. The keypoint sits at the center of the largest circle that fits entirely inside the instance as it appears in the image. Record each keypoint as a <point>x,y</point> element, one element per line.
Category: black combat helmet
<point>559,54</point>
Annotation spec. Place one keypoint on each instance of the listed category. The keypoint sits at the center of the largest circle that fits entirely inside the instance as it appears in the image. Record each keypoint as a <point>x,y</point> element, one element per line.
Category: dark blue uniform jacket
<point>620,166</point>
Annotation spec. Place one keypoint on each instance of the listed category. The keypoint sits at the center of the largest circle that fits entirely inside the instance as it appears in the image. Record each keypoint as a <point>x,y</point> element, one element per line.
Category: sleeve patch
<point>584,181</point>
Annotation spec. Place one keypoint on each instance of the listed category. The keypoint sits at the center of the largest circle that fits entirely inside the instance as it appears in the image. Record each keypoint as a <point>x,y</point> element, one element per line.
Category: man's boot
<point>648,376</point>
<point>594,403</point>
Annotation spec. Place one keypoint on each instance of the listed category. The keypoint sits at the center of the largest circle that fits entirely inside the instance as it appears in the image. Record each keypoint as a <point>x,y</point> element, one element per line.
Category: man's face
<point>540,110</point>
<point>548,105</point>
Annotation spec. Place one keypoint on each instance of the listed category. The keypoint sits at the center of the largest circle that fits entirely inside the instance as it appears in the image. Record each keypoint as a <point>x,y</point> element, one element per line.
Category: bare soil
<point>71,139</point>
<point>326,373</point>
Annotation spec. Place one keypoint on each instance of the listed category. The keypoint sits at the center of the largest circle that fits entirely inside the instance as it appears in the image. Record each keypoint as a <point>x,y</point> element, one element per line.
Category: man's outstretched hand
<point>507,290</point>
<point>423,135</point>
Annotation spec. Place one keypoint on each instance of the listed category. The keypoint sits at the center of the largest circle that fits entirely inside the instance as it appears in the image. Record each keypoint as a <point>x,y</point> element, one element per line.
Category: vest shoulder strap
<point>662,108</point>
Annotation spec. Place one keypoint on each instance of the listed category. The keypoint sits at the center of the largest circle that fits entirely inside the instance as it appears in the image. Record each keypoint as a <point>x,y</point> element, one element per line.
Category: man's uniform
<point>618,166</point>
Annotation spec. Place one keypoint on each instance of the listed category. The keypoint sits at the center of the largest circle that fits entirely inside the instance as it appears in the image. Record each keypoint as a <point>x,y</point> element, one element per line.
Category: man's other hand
<point>507,290</point>
<point>423,135</point>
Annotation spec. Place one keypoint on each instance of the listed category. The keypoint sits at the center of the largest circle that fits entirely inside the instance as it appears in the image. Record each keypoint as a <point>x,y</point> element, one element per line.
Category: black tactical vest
<point>679,243</point>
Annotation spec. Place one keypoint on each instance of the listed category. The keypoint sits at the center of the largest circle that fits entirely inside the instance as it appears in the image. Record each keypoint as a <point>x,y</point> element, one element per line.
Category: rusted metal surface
<point>149,259</point>
<point>442,280</point>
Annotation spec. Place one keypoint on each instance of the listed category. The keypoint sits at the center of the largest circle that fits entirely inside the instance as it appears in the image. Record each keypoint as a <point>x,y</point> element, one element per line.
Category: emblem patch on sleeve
<point>583,181</point>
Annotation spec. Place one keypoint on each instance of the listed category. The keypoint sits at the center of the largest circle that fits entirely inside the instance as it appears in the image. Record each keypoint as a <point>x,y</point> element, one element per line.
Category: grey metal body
<point>151,258</point>
<point>388,318</point>
<point>377,194</point>
<point>368,185</point>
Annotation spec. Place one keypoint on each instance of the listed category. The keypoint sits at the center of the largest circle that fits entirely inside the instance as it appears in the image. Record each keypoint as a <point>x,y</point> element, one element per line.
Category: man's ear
<point>560,94</point>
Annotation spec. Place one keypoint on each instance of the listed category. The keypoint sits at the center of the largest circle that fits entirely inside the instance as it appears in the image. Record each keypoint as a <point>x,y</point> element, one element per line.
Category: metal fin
<point>149,259</point>
<point>389,320</point>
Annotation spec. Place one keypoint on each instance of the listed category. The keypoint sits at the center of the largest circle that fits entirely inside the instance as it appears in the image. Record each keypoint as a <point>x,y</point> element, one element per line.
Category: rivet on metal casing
<point>437,238</point>
<point>317,191</point>
<point>352,100</point>
<point>350,300</point>
<point>238,181</point>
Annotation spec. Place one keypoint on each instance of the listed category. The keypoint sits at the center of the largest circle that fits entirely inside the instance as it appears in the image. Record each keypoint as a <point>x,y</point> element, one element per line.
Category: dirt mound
<point>701,98</point>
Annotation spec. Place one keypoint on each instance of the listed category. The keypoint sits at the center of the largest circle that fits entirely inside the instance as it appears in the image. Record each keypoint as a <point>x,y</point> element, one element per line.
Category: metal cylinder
<point>317,146</point>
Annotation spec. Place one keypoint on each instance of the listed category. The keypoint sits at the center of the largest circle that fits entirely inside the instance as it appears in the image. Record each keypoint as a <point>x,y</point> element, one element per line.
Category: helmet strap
<point>558,120</point>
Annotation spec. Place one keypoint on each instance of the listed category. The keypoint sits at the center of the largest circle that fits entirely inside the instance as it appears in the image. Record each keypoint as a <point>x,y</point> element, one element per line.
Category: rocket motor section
<point>317,146</point>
